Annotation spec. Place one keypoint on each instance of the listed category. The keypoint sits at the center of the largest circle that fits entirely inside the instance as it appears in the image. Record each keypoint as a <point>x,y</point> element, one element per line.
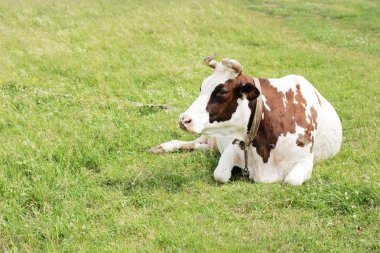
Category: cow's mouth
<point>188,129</point>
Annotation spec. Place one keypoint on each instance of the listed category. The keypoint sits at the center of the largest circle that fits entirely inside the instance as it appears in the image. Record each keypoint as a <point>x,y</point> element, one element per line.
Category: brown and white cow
<point>298,127</point>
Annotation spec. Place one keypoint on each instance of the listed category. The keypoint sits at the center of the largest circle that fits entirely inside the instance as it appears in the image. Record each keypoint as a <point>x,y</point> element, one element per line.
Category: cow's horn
<point>232,64</point>
<point>209,60</point>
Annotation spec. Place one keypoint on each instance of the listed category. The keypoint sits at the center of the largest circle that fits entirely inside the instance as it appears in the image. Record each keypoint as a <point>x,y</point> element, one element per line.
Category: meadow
<point>75,171</point>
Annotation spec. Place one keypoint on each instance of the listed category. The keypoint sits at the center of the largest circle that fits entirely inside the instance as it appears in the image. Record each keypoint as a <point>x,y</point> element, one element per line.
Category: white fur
<point>287,162</point>
<point>265,103</point>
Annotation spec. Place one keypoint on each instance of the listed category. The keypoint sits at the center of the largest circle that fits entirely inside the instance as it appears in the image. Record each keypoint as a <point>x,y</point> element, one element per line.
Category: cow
<point>296,127</point>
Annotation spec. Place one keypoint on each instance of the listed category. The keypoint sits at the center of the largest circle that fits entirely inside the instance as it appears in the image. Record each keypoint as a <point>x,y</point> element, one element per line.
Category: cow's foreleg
<point>300,172</point>
<point>232,156</point>
<point>202,143</point>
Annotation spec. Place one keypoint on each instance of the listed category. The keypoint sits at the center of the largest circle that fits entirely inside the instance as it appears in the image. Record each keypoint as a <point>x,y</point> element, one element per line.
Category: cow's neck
<point>253,116</point>
<point>256,108</point>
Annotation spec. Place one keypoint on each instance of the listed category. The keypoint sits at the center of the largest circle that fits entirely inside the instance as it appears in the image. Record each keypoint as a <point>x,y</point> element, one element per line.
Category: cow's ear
<point>249,90</point>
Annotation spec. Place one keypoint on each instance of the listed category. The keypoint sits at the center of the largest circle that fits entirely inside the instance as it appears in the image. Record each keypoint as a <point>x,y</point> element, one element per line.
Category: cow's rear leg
<point>300,172</point>
<point>202,143</point>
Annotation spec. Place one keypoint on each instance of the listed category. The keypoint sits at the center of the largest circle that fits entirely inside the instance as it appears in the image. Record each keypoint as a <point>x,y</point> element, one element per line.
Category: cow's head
<point>221,109</point>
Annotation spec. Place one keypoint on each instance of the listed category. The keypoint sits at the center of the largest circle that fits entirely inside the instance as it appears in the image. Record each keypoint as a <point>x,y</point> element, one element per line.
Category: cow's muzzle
<point>184,122</point>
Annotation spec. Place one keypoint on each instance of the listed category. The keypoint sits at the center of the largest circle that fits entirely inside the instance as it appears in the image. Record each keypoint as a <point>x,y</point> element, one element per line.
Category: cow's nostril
<point>184,119</point>
<point>184,122</point>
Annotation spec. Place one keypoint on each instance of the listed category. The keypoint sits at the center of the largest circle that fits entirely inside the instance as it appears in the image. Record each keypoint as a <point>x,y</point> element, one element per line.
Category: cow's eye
<point>222,92</point>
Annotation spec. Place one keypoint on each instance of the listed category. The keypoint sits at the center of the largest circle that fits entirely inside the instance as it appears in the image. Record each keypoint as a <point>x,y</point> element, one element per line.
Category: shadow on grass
<point>139,189</point>
<point>165,178</point>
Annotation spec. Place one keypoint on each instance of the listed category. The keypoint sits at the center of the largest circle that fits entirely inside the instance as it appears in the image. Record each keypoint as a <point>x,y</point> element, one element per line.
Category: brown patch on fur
<point>223,100</point>
<point>281,120</point>
<point>302,140</point>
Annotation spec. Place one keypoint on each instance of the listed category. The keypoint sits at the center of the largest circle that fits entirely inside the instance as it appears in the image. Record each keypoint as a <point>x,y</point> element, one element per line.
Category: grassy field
<point>75,174</point>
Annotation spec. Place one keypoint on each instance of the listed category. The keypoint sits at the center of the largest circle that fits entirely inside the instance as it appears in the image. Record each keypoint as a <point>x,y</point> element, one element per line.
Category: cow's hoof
<point>222,176</point>
<point>157,150</point>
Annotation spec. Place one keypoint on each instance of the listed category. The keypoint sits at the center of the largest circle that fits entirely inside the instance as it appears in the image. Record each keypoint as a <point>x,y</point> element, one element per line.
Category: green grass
<point>75,174</point>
